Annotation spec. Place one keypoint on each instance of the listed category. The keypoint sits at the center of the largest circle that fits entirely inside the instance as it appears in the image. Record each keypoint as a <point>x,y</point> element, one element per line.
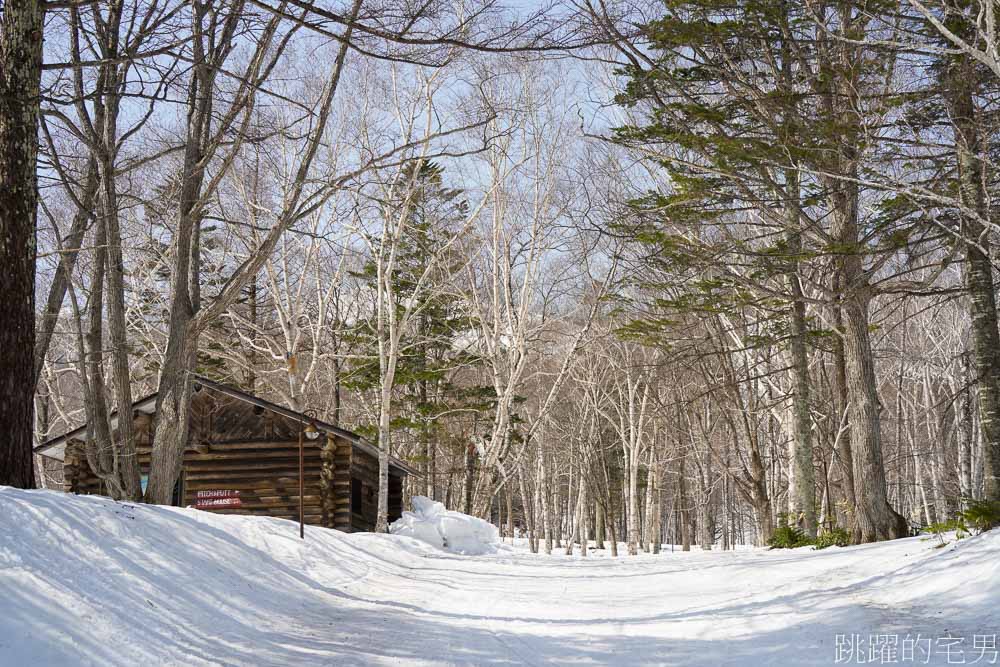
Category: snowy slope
<point>84,580</point>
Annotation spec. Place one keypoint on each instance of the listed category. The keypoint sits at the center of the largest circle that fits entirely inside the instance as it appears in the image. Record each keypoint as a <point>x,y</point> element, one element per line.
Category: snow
<point>451,531</point>
<point>85,580</point>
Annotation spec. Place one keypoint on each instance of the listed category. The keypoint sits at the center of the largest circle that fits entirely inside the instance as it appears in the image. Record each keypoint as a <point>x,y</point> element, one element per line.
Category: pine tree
<point>431,349</point>
<point>963,82</point>
<point>725,118</point>
<point>758,114</point>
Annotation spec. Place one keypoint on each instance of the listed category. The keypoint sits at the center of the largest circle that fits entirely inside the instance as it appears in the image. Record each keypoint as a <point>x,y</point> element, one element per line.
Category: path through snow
<point>84,580</point>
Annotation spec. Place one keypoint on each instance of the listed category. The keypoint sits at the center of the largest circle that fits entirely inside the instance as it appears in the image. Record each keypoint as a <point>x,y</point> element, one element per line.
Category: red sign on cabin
<point>217,498</point>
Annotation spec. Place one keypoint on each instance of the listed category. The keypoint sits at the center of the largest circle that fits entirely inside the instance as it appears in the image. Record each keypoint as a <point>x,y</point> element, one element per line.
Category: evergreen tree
<point>432,352</point>
<point>758,111</point>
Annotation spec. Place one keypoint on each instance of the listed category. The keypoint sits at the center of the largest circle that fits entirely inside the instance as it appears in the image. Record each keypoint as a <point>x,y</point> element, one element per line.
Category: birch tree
<point>213,46</point>
<point>627,406</point>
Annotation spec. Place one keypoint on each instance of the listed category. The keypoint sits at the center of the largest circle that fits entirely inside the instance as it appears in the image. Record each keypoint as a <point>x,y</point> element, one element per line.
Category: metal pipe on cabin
<point>312,432</point>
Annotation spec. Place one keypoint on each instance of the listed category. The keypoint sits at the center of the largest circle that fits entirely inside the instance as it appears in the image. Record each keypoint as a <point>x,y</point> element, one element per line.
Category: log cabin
<point>242,457</point>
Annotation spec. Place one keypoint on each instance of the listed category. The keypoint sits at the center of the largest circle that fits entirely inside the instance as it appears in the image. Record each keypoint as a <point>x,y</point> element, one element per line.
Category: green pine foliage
<point>981,515</point>
<point>425,372</point>
<point>788,537</point>
<point>216,267</point>
<point>939,528</point>
<point>712,137</point>
<point>834,537</point>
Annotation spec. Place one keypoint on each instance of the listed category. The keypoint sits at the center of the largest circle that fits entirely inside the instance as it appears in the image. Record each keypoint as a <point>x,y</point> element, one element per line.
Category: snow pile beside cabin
<point>88,581</point>
<point>458,533</point>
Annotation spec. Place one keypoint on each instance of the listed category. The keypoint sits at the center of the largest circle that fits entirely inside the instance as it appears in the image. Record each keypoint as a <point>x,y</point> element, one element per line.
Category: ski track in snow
<point>87,581</point>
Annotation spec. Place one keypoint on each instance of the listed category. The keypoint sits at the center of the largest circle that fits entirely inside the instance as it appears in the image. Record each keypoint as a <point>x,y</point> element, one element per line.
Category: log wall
<point>364,469</point>
<point>266,474</point>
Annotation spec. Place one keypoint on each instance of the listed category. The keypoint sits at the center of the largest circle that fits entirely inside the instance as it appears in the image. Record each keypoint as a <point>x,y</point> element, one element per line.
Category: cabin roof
<point>56,447</point>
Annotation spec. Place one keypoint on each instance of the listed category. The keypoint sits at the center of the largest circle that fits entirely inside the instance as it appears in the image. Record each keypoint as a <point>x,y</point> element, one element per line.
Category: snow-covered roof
<point>56,447</point>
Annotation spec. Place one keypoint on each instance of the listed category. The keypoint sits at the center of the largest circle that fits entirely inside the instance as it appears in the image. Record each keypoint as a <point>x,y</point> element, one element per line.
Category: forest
<point>687,272</point>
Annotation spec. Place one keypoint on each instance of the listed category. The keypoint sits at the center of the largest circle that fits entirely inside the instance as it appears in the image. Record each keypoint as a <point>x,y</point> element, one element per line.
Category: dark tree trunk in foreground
<point>20,72</point>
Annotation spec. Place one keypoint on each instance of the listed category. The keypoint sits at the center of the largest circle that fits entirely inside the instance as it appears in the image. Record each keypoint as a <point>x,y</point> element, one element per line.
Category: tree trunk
<point>527,512</point>
<point>70,246</point>
<point>509,493</point>
<point>764,518</point>
<point>251,352</point>
<point>172,415</point>
<point>632,457</point>
<point>612,533</point>
<point>599,526</point>
<point>173,399</point>
<point>683,509</point>
<point>647,522</point>
<point>128,459</point>
<point>964,416</point>
<point>384,446</point>
<point>424,436</point>
<point>842,431</point>
<point>979,271</point>
<point>706,524</point>
<point>470,469</point>
<point>544,499</point>
<point>726,544</point>
<point>574,533</point>
<point>99,448</point>
<point>534,540</point>
<point>840,81</point>
<point>802,484</point>
<point>653,532</point>
<point>20,75</point>
<point>874,519</point>
<point>429,462</point>
<point>759,497</point>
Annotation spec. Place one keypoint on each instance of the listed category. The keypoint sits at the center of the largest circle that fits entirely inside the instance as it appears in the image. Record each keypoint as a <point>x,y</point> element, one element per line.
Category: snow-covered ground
<point>84,580</point>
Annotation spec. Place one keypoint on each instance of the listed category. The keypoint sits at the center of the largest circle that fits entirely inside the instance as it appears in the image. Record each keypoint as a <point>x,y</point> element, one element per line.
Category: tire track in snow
<point>511,646</point>
<point>311,564</point>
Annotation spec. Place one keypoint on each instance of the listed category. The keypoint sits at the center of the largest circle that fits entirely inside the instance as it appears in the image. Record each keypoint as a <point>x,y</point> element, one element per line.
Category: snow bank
<point>452,531</point>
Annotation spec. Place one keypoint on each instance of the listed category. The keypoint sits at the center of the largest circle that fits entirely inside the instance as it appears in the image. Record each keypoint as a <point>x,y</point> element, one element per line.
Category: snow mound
<point>452,531</point>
